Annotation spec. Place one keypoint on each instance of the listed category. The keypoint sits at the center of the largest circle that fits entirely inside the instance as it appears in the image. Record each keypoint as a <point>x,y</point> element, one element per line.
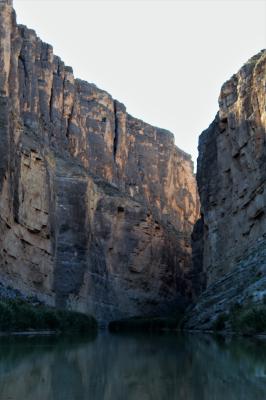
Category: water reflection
<point>123,367</point>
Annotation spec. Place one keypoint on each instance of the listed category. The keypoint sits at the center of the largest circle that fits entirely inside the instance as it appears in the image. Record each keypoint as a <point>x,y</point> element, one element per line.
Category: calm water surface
<point>124,367</point>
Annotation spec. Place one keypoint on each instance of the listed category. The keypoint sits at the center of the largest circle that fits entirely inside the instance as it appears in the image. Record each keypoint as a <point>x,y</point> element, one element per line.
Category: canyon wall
<point>231,178</point>
<point>96,207</point>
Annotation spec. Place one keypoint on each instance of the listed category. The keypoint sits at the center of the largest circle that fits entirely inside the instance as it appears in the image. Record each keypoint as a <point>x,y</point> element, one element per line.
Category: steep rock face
<point>231,180</point>
<point>96,207</point>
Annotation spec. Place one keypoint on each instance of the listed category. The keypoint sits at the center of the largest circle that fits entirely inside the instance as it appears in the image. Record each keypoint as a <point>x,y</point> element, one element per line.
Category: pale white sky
<point>165,60</point>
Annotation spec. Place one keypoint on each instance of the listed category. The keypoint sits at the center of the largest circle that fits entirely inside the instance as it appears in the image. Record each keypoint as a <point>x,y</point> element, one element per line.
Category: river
<point>132,367</point>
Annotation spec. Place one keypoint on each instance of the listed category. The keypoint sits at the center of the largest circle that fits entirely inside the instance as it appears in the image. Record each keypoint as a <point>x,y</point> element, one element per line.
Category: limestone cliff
<point>96,207</point>
<point>231,179</point>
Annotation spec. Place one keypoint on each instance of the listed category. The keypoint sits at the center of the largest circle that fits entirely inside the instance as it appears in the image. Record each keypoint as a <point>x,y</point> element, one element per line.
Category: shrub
<point>19,315</point>
<point>250,320</point>
<point>7,316</point>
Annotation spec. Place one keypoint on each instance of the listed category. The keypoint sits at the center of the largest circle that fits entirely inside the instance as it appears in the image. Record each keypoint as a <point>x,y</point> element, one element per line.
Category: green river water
<point>132,367</point>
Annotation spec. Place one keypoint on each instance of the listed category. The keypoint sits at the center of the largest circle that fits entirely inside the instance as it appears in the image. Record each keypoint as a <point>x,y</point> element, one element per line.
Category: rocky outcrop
<point>96,207</point>
<point>232,187</point>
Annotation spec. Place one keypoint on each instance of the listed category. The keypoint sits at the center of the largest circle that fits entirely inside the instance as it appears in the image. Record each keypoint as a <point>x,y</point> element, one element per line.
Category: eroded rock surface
<point>96,207</point>
<point>232,187</point>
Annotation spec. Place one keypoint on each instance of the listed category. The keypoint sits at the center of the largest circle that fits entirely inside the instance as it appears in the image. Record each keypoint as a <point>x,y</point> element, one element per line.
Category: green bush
<point>250,320</point>
<point>7,316</point>
<point>244,320</point>
<point>19,315</point>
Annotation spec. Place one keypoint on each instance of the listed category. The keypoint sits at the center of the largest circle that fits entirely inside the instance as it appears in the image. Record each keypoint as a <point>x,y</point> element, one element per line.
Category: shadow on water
<point>132,367</point>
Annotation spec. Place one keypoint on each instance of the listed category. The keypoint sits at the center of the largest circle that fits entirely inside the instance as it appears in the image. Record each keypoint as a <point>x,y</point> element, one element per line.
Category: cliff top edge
<point>85,83</point>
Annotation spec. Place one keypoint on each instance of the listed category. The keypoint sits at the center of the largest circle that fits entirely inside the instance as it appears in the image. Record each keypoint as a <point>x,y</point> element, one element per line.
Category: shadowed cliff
<point>96,207</point>
<point>231,178</point>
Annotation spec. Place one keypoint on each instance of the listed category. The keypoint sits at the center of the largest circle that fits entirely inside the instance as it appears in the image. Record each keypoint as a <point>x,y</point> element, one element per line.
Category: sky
<point>165,60</point>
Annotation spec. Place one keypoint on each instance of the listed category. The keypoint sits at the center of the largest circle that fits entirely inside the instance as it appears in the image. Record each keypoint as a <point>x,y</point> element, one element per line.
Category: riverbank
<point>147,324</point>
<point>30,317</point>
<point>238,321</point>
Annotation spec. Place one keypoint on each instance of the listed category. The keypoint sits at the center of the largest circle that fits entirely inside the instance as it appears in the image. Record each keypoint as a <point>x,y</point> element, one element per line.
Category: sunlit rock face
<point>96,207</point>
<point>231,179</point>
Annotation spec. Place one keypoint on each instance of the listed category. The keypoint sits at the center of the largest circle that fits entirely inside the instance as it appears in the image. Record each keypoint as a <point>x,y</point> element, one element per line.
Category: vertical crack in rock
<point>4,129</point>
<point>116,131</point>
<point>51,102</point>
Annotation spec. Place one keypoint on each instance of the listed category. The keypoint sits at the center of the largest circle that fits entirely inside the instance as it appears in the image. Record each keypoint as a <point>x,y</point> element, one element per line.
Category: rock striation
<point>96,207</point>
<point>231,180</point>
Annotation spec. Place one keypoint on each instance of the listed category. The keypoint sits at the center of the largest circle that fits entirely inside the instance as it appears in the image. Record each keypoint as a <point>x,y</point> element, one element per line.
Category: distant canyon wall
<point>231,178</point>
<point>232,170</point>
